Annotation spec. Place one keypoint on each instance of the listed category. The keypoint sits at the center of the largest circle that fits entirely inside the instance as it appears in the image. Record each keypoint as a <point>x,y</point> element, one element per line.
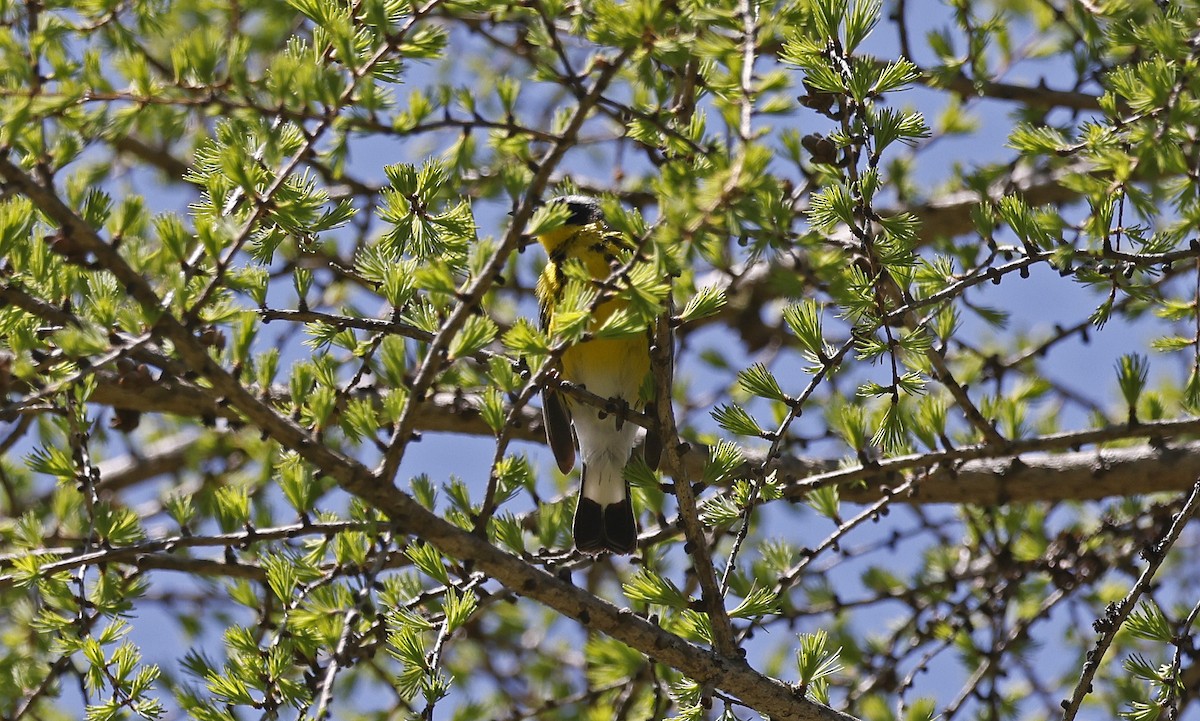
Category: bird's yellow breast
<point>609,367</point>
<point>591,246</point>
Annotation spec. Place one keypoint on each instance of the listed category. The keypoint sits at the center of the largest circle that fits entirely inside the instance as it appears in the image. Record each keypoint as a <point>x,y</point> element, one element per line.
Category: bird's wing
<point>557,420</point>
<point>556,417</point>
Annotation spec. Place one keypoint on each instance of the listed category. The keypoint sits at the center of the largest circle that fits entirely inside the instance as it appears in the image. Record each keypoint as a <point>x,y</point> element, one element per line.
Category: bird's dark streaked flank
<point>613,368</point>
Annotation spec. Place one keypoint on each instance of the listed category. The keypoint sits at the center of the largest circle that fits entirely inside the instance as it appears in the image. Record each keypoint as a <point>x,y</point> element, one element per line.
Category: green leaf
<point>492,409</point>
<point>1024,222</point>
<point>1137,665</point>
<point>882,581</point>
<point>337,216</point>
<point>894,76</point>
<point>302,279</point>
<point>475,334</point>
<point>849,420</point>
<point>892,125</point>
<point>16,223</point>
<point>826,500</point>
<point>546,218</point>
<point>1037,139</point>
<point>827,17</point>
<point>179,507</point>
<point>1169,344</point>
<point>815,662</point>
<point>296,481</point>
<point>281,576</point>
<point>622,323</point>
<point>80,342</point>
<point>804,320</point>
<point>759,602</point>
<point>320,334</point>
<point>723,459</point>
<point>427,558</point>
<point>116,525</point>
<point>860,21</point>
<point>53,461</point>
<point>232,507</point>
<point>892,433</point>
<point>922,709</point>
<point>1147,621</point>
<point>359,419</point>
<point>512,474</point>
<point>525,339</point>
<point>639,474</point>
<point>720,511</point>
<point>708,301</point>
<point>506,529</point>
<point>1132,371</point>
<point>830,207</point>
<point>649,587</point>
<point>759,381</point>
<point>612,662</point>
<point>435,278</point>
<point>458,608</point>
<point>737,420</point>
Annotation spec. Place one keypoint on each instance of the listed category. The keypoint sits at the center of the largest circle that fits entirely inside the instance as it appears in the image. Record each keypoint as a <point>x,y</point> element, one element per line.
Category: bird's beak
<point>536,204</point>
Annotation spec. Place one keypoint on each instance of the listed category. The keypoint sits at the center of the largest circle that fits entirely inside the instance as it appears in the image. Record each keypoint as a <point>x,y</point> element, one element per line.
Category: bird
<point>612,368</point>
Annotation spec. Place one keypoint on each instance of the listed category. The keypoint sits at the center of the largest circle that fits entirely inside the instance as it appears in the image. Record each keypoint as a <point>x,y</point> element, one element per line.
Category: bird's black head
<point>584,210</point>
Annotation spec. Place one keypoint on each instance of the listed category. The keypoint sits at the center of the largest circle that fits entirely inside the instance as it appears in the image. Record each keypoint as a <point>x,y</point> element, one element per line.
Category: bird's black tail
<point>604,527</point>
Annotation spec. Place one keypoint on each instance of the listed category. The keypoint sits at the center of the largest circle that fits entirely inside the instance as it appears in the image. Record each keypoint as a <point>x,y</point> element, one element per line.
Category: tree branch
<point>969,474</point>
<point>762,693</point>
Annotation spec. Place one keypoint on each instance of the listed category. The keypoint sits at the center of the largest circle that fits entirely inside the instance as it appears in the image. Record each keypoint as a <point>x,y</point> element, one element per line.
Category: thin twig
<point>1118,613</point>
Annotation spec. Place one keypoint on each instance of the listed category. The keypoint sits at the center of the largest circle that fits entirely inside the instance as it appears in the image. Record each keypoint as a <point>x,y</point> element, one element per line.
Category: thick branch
<point>1027,472</point>
<point>961,476</point>
<point>1080,476</point>
<point>766,695</point>
<point>1034,96</point>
